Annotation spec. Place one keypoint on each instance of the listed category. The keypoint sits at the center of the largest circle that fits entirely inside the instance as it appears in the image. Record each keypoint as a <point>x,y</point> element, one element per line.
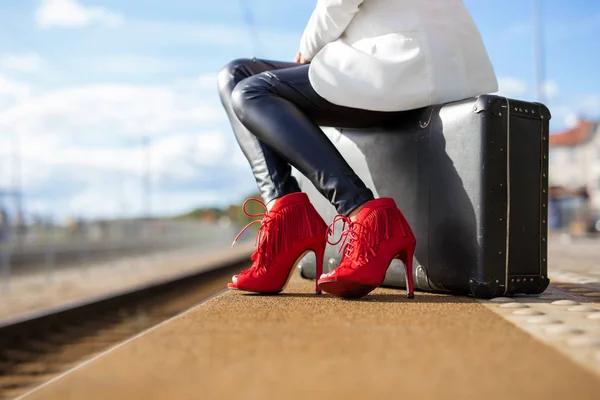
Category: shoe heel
<point>319,255</point>
<point>406,256</point>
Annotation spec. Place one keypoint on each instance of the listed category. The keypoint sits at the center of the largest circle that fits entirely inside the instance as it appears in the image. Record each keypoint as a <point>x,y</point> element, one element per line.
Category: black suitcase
<point>471,178</point>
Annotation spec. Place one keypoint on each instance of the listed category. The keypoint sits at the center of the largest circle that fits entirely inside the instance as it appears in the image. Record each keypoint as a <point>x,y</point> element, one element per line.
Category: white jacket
<point>393,55</point>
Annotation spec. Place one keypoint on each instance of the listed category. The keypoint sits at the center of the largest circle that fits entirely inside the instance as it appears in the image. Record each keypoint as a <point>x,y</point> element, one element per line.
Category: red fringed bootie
<point>379,234</point>
<point>291,229</point>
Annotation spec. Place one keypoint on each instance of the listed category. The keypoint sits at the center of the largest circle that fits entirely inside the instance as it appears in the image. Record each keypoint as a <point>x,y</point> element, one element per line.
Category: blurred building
<point>574,173</point>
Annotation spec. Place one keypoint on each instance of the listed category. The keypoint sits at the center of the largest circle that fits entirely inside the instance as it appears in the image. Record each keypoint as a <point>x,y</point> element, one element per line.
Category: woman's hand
<point>299,59</point>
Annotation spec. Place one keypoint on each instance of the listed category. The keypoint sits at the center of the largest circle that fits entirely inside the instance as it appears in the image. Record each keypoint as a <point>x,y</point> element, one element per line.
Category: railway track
<point>36,348</point>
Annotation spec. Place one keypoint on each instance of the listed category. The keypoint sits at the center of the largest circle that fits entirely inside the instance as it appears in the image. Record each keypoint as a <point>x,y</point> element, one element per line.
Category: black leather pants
<point>276,114</point>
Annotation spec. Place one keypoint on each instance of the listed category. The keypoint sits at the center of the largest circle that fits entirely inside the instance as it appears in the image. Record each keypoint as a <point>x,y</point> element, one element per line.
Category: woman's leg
<point>272,173</point>
<point>284,112</point>
<point>292,225</point>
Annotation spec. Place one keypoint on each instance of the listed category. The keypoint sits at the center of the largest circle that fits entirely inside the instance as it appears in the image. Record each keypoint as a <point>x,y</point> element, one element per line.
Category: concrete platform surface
<point>298,345</point>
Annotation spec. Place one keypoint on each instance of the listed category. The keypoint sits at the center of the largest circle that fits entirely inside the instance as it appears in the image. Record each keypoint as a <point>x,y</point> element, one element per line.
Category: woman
<point>361,63</point>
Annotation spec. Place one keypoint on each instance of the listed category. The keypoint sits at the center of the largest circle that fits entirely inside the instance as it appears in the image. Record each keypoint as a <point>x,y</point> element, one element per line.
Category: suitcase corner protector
<point>544,283</point>
<point>484,102</point>
<point>545,111</point>
<point>486,290</point>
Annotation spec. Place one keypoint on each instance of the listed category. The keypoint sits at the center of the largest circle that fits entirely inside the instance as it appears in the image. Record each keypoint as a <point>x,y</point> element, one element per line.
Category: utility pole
<point>248,17</point>
<point>538,38</point>
<point>16,184</point>
<point>147,179</point>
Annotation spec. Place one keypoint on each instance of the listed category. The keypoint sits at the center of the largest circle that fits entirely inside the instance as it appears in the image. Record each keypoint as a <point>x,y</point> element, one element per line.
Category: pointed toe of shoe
<point>327,277</point>
<point>234,282</point>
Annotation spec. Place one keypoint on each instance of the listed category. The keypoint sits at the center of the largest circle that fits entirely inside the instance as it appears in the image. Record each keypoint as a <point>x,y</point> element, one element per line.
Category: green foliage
<point>234,212</point>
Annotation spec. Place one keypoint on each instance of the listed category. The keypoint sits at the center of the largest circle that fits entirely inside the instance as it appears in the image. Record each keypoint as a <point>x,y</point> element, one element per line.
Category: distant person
<point>360,64</point>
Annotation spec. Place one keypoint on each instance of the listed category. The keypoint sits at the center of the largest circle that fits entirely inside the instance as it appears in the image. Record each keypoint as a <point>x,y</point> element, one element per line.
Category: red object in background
<point>574,136</point>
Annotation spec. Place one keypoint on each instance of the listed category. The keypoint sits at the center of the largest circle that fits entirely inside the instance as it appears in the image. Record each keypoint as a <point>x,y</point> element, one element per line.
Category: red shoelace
<point>357,241</point>
<point>260,256</point>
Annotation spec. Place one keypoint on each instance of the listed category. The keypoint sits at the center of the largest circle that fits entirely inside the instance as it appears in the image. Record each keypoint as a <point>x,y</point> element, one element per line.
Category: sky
<point>86,84</point>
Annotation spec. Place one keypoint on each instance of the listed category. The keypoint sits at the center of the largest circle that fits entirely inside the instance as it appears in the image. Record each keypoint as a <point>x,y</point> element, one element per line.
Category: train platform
<point>298,345</point>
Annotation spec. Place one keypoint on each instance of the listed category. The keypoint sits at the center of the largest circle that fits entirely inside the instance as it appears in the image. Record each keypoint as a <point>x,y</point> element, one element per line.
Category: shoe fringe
<point>290,224</point>
<point>383,223</point>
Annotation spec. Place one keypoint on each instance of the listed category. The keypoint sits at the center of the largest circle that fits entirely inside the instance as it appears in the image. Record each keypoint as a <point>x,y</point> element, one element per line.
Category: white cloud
<point>62,125</point>
<point>517,88</point>
<point>207,81</point>
<point>62,178</point>
<point>550,89</point>
<point>26,62</point>
<point>109,109</point>
<point>571,120</point>
<point>511,87</point>
<point>567,115</point>
<point>72,14</point>
<point>214,37</point>
<point>81,148</point>
<point>134,64</point>
<point>563,116</point>
<point>13,92</point>
<point>175,156</point>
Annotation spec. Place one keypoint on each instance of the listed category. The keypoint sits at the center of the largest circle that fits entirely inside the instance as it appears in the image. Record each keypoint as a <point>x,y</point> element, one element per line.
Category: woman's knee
<point>231,74</point>
<point>249,89</point>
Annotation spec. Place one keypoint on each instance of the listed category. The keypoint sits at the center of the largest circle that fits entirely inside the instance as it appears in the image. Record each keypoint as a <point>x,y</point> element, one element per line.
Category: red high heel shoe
<point>379,234</point>
<point>289,231</point>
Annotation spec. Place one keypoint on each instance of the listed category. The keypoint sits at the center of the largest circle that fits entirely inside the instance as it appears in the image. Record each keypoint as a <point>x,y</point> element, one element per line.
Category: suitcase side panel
<point>456,175</point>
<point>544,213</point>
<point>514,240</point>
<point>397,158</point>
<point>527,258</point>
<point>489,277</point>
